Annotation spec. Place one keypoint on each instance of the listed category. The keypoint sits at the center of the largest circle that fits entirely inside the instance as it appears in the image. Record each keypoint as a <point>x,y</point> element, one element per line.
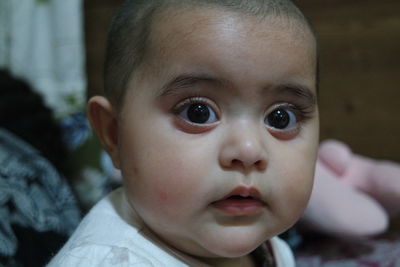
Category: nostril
<point>260,164</point>
<point>236,162</point>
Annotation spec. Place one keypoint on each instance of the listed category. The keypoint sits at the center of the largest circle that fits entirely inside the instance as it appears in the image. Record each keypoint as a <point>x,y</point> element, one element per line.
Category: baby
<point>210,112</point>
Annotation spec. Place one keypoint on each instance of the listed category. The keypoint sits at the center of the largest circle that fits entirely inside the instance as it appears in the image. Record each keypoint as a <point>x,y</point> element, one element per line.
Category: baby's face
<point>219,130</point>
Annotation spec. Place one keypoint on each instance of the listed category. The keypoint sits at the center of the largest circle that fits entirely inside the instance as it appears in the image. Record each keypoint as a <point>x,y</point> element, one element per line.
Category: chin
<point>235,247</point>
<point>237,251</point>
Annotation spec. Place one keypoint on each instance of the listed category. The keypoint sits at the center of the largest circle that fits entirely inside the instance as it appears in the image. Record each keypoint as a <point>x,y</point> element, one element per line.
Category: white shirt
<point>104,238</point>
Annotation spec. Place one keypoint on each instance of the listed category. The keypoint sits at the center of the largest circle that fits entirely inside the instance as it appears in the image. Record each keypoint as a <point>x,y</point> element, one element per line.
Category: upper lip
<point>245,192</point>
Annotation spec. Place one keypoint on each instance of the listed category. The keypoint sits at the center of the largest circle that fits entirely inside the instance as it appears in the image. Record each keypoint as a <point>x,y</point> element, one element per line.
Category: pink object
<point>353,195</point>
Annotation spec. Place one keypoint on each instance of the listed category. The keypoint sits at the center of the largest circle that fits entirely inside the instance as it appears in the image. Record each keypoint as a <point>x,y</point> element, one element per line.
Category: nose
<point>243,148</point>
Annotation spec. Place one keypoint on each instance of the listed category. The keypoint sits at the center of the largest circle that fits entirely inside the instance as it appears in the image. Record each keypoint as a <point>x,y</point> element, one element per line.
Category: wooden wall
<point>359,42</point>
<point>360,73</point>
<point>98,15</point>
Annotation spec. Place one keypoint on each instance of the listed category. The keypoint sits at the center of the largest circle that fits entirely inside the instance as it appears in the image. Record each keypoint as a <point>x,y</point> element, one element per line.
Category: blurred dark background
<point>359,42</point>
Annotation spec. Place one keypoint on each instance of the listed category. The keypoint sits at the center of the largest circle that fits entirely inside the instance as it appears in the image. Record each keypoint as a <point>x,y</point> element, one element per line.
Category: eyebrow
<point>298,91</point>
<point>185,81</point>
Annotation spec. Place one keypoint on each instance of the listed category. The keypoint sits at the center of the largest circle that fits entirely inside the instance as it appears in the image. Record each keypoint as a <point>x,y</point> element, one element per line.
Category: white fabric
<point>41,42</point>
<point>104,238</point>
<point>282,253</point>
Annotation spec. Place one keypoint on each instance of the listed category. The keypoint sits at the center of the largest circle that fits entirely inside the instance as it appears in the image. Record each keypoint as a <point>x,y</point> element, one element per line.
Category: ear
<point>103,119</point>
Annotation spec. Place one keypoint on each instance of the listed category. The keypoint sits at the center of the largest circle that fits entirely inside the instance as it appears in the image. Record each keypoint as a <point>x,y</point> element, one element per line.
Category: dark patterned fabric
<point>37,209</point>
<point>263,256</point>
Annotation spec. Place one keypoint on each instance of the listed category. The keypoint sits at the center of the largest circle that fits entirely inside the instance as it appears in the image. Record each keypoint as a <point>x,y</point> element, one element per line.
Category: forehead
<point>172,27</point>
<point>220,39</point>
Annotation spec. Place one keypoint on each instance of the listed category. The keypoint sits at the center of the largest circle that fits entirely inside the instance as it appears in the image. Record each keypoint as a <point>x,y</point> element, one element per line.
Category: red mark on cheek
<point>162,196</point>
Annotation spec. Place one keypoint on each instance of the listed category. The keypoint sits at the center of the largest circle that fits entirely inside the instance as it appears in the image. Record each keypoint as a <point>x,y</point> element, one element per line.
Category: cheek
<point>293,191</point>
<point>164,184</point>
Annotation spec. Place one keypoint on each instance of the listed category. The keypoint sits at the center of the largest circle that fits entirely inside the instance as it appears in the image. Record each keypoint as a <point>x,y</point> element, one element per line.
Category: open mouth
<point>241,201</point>
<point>238,197</point>
<point>242,192</point>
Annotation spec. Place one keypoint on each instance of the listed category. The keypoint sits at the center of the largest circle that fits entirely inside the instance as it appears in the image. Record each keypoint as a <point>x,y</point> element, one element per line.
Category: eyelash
<point>190,101</point>
<point>302,113</point>
<point>183,121</point>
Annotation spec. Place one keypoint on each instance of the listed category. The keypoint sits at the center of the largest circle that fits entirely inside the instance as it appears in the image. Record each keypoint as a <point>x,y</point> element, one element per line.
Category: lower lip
<point>239,207</point>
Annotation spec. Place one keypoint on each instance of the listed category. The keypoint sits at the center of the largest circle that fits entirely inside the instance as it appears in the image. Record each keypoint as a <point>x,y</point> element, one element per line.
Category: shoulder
<point>99,255</point>
<point>135,252</point>
<point>106,238</point>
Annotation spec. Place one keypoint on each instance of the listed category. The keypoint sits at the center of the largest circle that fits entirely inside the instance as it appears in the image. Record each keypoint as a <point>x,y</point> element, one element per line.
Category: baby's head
<point>210,112</point>
<point>132,33</point>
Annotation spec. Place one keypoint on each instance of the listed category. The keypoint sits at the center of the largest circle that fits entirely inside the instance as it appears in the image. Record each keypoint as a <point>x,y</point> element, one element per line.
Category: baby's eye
<point>281,119</point>
<point>198,113</point>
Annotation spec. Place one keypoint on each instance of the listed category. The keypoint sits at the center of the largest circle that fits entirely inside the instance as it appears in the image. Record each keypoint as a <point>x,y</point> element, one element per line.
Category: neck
<point>244,261</point>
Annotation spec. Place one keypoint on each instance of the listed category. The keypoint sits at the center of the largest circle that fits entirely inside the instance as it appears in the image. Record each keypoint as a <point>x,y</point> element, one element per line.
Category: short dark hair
<point>131,26</point>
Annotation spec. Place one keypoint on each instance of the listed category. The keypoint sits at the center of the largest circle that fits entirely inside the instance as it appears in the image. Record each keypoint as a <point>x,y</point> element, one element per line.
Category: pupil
<point>198,113</point>
<point>279,119</point>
